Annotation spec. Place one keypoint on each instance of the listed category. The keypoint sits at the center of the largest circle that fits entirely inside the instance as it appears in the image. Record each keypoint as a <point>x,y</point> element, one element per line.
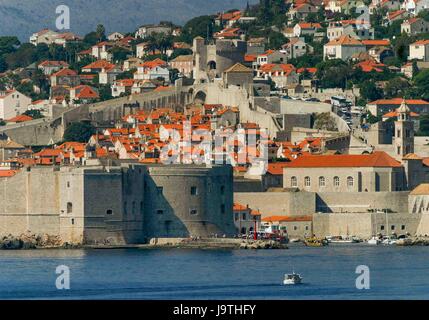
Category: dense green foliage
<point>79,131</point>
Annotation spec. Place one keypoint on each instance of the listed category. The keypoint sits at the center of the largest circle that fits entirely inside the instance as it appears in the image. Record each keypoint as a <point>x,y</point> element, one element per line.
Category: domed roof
<point>403,108</point>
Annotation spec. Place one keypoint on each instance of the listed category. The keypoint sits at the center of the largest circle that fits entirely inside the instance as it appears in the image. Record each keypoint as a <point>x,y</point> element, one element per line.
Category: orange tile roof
<point>287,218</point>
<point>276,168</point>
<point>369,65</point>
<point>311,70</point>
<point>52,63</point>
<point>162,88</point>
<point>395,114</point>
<point>125,82</point>
<point>100,64</point>
<point>239,207</point>
<point>85,92</point>
<point>272,67</point>
<point>154,63</point>
<point>394,14</point>
<point>250,58</point>
<point>20,118</point>
<point>421,42</point>
<point>309,25</point>
<point>398,101</point>
<point>64,72</point>
<point>344,40</point>
<point>375,42</point>
<point>7,173</point>
<point>376,159</point>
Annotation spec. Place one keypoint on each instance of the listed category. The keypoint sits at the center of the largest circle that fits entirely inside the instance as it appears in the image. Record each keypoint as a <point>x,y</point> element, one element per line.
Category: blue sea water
<point>329,273</point>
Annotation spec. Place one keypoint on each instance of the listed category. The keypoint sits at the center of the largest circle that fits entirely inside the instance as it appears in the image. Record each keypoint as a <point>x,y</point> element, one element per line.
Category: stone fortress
<point>120,204</point>
<point>89,213</point>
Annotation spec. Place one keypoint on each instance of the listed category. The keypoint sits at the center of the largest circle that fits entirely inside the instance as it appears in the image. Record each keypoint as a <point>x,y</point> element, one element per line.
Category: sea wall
<point>365,225</point>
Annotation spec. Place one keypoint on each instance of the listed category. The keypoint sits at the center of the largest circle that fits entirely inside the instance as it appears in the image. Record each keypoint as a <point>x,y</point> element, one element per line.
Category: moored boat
<point>374,241</point>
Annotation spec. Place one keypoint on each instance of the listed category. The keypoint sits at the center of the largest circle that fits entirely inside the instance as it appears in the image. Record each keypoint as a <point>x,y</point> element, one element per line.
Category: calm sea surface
<point>329,273</point>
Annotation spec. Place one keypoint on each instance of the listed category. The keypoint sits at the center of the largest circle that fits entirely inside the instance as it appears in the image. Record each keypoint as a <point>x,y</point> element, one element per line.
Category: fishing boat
<point>292,278</point>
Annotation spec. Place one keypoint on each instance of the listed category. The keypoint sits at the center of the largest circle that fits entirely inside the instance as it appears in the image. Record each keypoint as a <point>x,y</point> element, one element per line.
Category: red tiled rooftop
<point>376,159</point>
<point>287,218</point>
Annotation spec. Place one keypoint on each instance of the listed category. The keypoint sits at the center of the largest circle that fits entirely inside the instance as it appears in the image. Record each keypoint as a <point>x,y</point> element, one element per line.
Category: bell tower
<point>404,132</point>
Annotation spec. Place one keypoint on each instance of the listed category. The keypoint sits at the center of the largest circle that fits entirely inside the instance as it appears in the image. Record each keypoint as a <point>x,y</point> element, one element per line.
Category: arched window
<point>350,182</point>
<point>69,207</point>
<point>336,181</point>
<point>293,182</point>
<point>307,181</point>
<point>322,181</point>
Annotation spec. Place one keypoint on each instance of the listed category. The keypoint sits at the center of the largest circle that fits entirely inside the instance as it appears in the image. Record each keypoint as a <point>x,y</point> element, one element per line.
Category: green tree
<point>396,87</point>
<point>424,126</point>
<point>333,73</point>
<point>120,54</point>
<point>79,132</point>
<point>35,114</point>
<point>126,74</point>
<point>202,26</point>
<point>324,121</point>
<point>275,40</point>
<point>401,46</point>
<point>421,84</point>
<point>90,39</point>
<point>25,55</point>
<point>180,52</point>
<point>101,33</point>
<point>105,92</point>
<point>369,91</point>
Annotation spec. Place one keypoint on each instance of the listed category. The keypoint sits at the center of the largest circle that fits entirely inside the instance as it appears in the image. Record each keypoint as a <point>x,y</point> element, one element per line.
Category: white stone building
<point>343,48</point>
<point>13,103</point>
<point>419,50</point>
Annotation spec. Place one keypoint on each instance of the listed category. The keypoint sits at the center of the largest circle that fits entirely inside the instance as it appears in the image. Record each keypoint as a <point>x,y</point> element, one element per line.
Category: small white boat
<point>389,241</point>
<point>373,241</point>
<point>293,278</point>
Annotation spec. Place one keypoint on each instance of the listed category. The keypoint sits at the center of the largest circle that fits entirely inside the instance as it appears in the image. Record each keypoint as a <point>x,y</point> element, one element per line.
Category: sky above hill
<point>24,17</point>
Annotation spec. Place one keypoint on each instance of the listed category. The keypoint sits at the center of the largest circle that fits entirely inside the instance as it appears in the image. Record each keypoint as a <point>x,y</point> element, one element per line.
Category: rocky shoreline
<point>33,241</point>
<point>44,241</point>
<point>415,241</point>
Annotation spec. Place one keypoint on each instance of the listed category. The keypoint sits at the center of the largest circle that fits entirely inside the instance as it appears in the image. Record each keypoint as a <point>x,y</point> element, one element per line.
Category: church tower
<point>404,132</point>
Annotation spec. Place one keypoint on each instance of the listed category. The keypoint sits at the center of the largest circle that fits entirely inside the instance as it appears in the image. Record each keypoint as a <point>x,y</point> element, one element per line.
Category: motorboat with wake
<point>292,278</point>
